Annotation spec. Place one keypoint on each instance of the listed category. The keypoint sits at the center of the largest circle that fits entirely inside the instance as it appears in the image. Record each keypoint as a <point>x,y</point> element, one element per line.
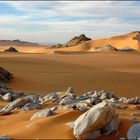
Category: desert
<point>36,101</point>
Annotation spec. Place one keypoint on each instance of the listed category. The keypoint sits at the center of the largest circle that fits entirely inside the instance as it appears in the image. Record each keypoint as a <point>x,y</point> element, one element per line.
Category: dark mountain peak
<point>77,40</point>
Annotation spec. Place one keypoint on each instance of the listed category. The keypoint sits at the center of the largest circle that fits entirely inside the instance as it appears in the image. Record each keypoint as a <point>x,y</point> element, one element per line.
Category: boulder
<point>67,100</point>
<point>50,97</point>
<point>19,103</point>
<point>31,106</point>
<point>43,113</point>
<point>5,76</point>
<point>7,97</point>
<point>134,132</point>
<point>93,120</point>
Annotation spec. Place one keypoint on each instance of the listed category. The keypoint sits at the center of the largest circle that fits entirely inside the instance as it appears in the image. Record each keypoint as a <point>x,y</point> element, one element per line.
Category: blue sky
<point>58,21</point>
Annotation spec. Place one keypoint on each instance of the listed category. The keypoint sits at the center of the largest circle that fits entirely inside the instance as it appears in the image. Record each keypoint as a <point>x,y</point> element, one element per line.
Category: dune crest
<point>131,41</point>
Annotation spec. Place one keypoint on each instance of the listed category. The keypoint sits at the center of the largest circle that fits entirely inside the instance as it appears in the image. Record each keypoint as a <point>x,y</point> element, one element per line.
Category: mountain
<point>16,42</point>
<point>73,42</point>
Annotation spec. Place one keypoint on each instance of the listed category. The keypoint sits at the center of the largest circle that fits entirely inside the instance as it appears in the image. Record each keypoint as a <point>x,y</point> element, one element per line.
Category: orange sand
<point>18,125</point>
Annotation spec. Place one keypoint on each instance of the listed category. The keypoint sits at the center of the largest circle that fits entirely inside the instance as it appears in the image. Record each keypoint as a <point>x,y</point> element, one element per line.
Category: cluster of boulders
<point>99,117</point>
<point>98,107</point>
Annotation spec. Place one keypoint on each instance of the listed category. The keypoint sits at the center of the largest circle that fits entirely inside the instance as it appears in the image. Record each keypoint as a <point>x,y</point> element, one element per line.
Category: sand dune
<point>131,40</point>
<point>40,73</point>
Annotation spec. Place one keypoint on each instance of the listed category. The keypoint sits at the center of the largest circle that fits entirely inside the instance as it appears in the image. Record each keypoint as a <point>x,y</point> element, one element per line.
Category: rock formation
<point>99,117</point>
<point>43,113</point>
<point>73,42</point>
<point>105,48</point>
<point>77,40</point>
<point>11,49</point>
<point>5,76</point>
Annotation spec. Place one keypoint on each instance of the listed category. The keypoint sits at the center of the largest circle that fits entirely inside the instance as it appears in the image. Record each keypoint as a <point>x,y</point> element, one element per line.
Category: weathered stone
<point>112,126</point>
<point>67,100</point>
<point>5,76</point>
<point>50,97</point>
<point>106,48</point>
<point>7,97</point>
<point>94,119</point>
<point>19,103</point>
<point>11,49</point>
<point>43,113</point>
<point>31,106</point>
<point>134,132</point>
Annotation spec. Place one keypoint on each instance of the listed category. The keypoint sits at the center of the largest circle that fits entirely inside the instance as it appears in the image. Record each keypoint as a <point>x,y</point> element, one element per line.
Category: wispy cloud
<point>53,19</point>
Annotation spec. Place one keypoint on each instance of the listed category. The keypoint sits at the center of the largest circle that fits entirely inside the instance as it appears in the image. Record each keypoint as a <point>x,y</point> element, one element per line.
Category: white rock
<point>112,126</point>
<point>94,119</point>
<point>67,100</point>
<point>19,103</point>
<point>42,113</point>
<point>7,97</point>
<point>134,132</point>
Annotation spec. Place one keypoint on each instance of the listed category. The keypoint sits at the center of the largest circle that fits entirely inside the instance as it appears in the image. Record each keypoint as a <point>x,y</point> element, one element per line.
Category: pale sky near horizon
<point>58,21</point>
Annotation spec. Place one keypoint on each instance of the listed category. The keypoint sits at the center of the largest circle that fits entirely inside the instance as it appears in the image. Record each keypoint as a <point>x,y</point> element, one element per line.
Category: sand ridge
<point>131,40</point>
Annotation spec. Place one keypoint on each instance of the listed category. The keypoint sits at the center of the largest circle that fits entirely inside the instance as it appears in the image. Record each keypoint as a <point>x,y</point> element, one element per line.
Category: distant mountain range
<point>17,42</point>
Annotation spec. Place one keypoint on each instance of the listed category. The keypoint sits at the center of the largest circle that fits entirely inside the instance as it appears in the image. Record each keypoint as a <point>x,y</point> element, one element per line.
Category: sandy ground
<point>118,72</point>
<point>40,73</point>
<point>25,49</point>
<point>19,126</point>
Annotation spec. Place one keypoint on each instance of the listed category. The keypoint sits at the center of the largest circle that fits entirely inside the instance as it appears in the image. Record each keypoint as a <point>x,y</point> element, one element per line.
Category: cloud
<point>56,21</point>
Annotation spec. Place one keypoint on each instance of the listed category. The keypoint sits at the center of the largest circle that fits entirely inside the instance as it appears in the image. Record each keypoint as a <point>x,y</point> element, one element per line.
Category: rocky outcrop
<point>73,42</point>
<point>77,40</point>
<point>25,103</point>
<point>11,49</point>
<point>5,76</point>
<point>105,48</point>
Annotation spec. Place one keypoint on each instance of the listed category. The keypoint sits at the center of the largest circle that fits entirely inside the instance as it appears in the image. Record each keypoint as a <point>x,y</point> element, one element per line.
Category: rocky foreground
<point>98,109</point>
